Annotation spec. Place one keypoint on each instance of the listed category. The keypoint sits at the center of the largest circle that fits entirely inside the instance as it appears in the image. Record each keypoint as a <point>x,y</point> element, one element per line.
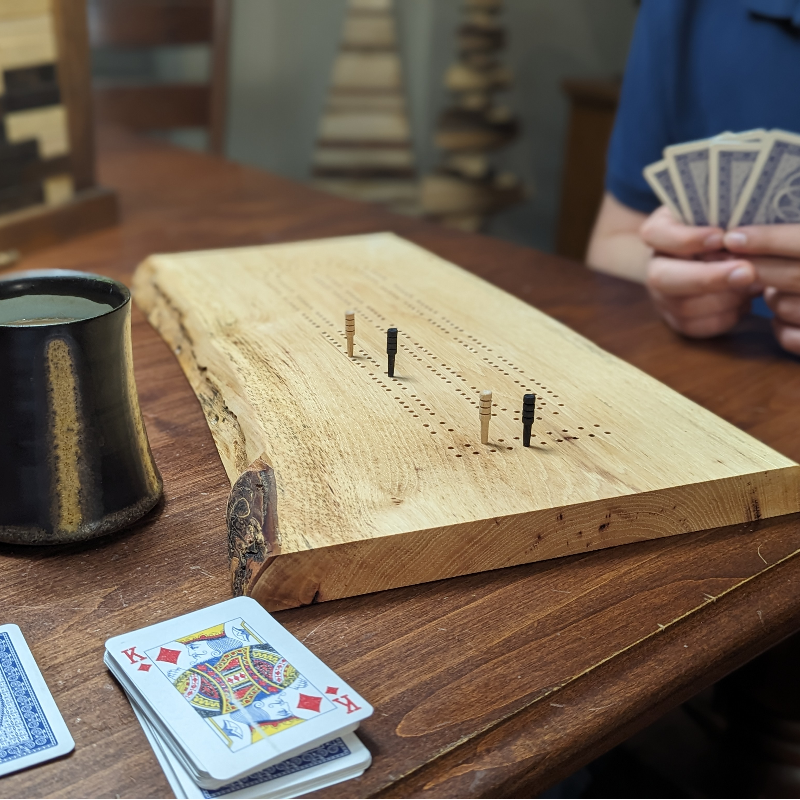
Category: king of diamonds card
<point>238,683</point>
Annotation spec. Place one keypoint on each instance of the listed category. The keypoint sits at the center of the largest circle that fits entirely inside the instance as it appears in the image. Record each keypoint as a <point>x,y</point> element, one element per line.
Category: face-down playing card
<point>31,727</point>
<point>235,688</point>
<point>771,195</point>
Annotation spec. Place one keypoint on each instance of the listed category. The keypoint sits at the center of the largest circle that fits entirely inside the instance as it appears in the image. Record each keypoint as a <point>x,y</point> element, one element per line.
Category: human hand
<point>699,289</point>
<point>774,252</point>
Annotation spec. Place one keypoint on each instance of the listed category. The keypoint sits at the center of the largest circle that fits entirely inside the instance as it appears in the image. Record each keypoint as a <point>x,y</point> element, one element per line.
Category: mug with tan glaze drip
<point>75,462</point>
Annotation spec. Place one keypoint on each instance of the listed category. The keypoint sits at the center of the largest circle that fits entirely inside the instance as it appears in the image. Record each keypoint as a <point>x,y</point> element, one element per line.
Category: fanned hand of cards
<point>733,179</point>
<point>234,706</point>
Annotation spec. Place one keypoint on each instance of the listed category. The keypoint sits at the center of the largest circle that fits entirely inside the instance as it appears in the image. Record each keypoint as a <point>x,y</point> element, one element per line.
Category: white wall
<point>283,51</point>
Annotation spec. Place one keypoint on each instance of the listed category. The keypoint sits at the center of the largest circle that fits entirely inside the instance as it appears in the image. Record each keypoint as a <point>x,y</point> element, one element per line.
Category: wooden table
<point>494,684</point>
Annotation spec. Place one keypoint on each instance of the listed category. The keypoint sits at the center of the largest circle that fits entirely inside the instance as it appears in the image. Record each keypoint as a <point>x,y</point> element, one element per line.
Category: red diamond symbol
<point>309,702</point>
<point>332,690</point>
<point>144,667</point>
<point>165,654</point>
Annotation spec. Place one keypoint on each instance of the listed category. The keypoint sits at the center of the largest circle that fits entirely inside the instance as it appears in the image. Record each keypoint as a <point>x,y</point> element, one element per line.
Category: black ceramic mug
<point>75,462</point>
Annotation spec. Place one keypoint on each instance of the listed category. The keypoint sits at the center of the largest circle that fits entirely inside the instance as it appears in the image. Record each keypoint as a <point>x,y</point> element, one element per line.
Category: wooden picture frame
<point>48,191</point>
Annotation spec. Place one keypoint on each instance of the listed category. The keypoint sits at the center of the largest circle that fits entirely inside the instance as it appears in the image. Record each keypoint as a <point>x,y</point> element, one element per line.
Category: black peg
<point>528,412</point>
<point>391,348</point>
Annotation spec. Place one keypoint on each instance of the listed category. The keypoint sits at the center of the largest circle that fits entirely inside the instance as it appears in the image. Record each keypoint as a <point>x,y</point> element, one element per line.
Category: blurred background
<point>281,56</point>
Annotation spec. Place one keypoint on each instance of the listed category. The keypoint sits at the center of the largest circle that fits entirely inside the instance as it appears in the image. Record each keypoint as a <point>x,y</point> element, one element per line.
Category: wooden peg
<point>391,348</point>
<point>350,330</point>
<point>485,411</point>
<point>528,412</point>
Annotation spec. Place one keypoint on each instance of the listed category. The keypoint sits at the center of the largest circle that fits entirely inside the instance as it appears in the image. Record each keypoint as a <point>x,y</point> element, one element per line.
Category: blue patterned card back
<point>324,754</point>
<point>24,729</point>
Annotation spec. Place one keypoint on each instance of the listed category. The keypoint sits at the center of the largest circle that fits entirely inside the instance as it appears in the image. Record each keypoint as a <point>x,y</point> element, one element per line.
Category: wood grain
<point>593,106</point>
<point>74,69</point>
<point>152,23</point>
<point>40,226</point>
<point>393,499</point>
<point>143,108</point>
<point>220,63</point>
<point>496,684</point>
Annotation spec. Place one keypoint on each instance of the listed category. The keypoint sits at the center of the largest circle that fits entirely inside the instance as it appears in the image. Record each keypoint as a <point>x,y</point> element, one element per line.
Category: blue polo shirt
<point>696,68</point>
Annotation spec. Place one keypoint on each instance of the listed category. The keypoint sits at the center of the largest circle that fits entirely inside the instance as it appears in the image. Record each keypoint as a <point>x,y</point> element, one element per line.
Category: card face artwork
<point>233,688</point>
<point>239,685</point>
<point>772,195</point>
<point>31,727</point>
<point>659,177</point>
<point>690,165</point>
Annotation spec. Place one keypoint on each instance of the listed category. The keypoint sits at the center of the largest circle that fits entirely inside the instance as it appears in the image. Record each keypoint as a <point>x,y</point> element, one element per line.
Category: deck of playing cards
<point>234,706</point>
<point>733,179</point>
<point>31,728</point>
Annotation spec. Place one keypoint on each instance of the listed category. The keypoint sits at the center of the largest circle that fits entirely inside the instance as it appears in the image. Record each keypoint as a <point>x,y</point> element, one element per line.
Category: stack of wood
<point>364,149</point>
<point>34,140</point>
<point>47,183</point>
<point>466,189</point>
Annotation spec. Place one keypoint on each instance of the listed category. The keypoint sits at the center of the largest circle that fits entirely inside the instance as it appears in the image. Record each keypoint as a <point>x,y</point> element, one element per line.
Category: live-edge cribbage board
<point>346,481</point>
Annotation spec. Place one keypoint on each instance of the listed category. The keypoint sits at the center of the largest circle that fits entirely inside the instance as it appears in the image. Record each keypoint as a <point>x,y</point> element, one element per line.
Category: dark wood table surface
<point>497,684</point>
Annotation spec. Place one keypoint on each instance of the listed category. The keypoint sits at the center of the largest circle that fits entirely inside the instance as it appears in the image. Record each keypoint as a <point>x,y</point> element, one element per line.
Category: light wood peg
<point>485,411</point>
<point>350,330</point>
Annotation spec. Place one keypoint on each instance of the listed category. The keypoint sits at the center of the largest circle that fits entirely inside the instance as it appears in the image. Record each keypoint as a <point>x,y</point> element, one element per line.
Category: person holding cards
<point>708,243</point>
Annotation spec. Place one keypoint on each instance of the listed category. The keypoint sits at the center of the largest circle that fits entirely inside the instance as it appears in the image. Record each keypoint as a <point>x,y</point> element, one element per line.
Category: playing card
<point>772,193</point>
<point>730,166</point>
<point>329,763</point>
<point>31,727</point>
<point>232,690</point>
<point>688,165</point>
<point>660,179</point>
<point>749,137</point>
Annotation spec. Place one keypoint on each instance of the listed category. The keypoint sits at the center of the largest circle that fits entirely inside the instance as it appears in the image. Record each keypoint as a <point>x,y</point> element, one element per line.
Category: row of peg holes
<point>424,406</point>
<point>431,355</point>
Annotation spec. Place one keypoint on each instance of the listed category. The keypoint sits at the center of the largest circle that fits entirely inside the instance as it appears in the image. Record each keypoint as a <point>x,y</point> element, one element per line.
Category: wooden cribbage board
<point>346,481</point>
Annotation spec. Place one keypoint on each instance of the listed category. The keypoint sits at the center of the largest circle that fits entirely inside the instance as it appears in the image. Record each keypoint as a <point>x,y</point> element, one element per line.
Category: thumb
<point>673,276</point>
<point>665,234</point>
